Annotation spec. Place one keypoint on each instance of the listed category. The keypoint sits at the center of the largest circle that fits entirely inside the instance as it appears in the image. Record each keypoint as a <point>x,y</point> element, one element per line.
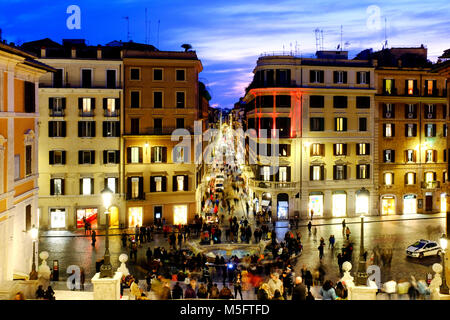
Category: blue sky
<point>230,35</point>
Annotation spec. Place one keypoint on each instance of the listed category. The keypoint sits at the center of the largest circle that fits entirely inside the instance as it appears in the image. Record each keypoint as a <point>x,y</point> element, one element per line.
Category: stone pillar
<point>107,288</point>
<point>327,204</point>
<point>351,203</point>
<point>358,292</point>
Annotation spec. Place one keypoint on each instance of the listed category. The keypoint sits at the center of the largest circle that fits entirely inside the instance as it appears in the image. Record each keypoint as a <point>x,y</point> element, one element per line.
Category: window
<point>86,78</point>
<point>157,125</point>
<point>111,79</point>
<point>111,183</point>
<point>388,111</point>
<point>86,129</point>
<point>317,149</point>
<point>430,87</point>
<point>388,86</point>
<point>363,102</point>
<point>410,111</point>
<point>410,130</point>
<point>111,156</point>
<point>411,87</point>
<point>363,149</point>
<point>58,78</point>
<point>86,157</point>
<point>57,157</point>
<point>111,106</point>
<point>157,99</point>
<point>180,123</point>
<point>135,99</point>
<point>284,150</point>
<point>363,77</point>
<point>388,130</point>
<point>430,111</point>
<point>86,106</point>
<point>111,128</point>
<point>266,173</point>
<point>158,184</point>
<point>340,102</point>
<point>283,77</point>
<point>135,194</point>
<point>134,155</point>
<point>339,172</point>
<point>317,124</point>
<point>410,155</point>
<point>180,75</point>
<point>57,106</point>
<point>57,187</point>
<point>362,171</point>
<point>159,155</point>
<point>410,178</point>
<point>179,154</point>
<point>388,178</point>
<point>340,76</point>
<point>316,76</point>
<point>316,101</point>
<point>430,155</point>
<point>340,124</point>
<point>362,125</point>
<point>56,129</point>
<point>316,173</point>
<point>157,74</point>
<point>180,183</point>
<point>135,74</point>
<point>389,155</point>
<point>283,101</point>
<point>340,149</point>
<point>28,217</point>
<point>134,125</point>
<point>86,186</point>
<point>180,99</point>
<point>283,174</point>
<point>430,130</point>
<point>444,130</point>
<point>17,167</point>
<point>28,158</point>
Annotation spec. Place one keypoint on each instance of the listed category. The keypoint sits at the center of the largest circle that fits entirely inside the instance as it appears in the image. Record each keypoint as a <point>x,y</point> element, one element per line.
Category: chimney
<point>74,53</point>
<point>399,63</point>
<point>99,52</point>
<point>43,52</point>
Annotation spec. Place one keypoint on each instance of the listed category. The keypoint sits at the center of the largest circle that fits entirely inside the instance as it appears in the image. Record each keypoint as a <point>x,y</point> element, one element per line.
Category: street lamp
<point>361,275</point>
<point>34,236</point>
<point>444,288</point>
<point>106,268</point>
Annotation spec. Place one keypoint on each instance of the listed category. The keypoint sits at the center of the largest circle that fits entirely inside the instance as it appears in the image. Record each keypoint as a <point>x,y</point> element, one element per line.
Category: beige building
<point>80,109</point>
<point>161,95</point>
<point>19,141</point>
<point>324,110</point>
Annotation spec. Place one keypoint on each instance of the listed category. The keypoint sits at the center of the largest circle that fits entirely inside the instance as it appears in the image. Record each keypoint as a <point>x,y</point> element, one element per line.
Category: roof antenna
<point>146,27</point>
<point>341,38</point>
<point>128,27</point>
<point>385,34</point>
<point>157,43</point>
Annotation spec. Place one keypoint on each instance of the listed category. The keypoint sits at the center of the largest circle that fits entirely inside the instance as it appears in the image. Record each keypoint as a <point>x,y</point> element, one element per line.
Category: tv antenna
<point>146,27</point>
<point>385,44</point>
<point>341,38</point>
<point>157,42</point>
<point>128,27</point>
<point>319,39</point>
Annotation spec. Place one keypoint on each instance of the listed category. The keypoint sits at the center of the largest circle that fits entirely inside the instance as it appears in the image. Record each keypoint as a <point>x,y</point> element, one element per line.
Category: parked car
<point>219,186</point>
<point>423,248</point>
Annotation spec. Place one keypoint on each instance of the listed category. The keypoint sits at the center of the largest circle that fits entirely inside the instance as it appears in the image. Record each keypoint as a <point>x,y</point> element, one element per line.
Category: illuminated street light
<point>444,288</point>
<point>106,268</point>
<point>361,275</point>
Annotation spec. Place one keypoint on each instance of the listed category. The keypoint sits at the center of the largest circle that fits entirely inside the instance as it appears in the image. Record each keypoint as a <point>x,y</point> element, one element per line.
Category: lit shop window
<point>180,215</point>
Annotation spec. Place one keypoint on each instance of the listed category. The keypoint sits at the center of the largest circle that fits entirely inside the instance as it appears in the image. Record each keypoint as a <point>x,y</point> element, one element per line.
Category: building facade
<point>80,110</point>
<point>19,132</point>
<point>161,95</point>
<point>324,109</point>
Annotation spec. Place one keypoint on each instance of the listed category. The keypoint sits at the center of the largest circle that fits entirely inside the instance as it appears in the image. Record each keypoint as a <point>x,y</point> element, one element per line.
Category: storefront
<point>410,204</point>
<point>57,218</point>
<point>135,216</point>
<point>90,214</point>
<point>443,202</point>
<point>362,202</point>
<point>387,205</point>
<point>315,204</point>
<point>339,204</point>
<point>180,214</point>
<point>114,217</point>
<point>283,206</point>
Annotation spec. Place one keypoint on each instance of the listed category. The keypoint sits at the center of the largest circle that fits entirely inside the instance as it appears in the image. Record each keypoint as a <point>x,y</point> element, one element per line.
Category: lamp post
<point>361,274</point>
<point>444,288</point>
<point>106,268</point>
<point>34,236</point>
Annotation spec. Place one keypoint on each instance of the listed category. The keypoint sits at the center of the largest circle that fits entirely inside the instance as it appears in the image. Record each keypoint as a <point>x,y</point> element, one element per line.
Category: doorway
<point>387,205</point>
<point>409,204</point>
<point>428,203</point>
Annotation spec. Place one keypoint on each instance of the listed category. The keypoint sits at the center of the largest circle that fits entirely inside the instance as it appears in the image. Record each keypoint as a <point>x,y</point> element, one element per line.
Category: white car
<point>423,248</point>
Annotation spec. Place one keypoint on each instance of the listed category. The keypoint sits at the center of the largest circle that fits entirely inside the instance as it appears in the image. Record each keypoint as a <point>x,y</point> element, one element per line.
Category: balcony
<point>392,92</point>
<point>56,113</point>
<point>86,113</point>
<point>430,185</point>
<point>273,184</point>
<point>159,131</point>
<point>108,113</point>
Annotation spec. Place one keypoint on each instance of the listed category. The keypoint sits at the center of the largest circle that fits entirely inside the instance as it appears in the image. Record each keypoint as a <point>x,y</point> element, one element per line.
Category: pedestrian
<point>340,261</point>
<point>237,284</point>
<point>124,239</point>
<point>327,291</point>
<point>315,233</point>
<point>177,291</point>
<point>148,254</point>
<point>331,242</point>
<point>309,227</point>
<point>275,284</point>
<point>341,291</point>
<point>93,236</point>
<point>312,213</point>
<point>308,279</point>
<point>343,225</point>
<point>320,248</point>
<point>347,233</point>
<point>82,279</point>
<point>299,291</point>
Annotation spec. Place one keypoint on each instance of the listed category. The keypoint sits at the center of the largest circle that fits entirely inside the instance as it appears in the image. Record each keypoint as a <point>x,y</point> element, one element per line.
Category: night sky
<point>230,35</point>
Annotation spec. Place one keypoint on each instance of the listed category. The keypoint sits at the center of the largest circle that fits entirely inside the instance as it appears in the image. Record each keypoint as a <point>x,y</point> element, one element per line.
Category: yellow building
<point>161,95</point>
<point>323,108</point>
<point>19,112</point>
<point>80,125</point>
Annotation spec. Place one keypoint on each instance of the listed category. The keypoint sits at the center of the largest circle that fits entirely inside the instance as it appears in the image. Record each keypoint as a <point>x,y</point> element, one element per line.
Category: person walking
<point>327,291</point>
<point>320,248</point>
<point>299,291</point>
<point>331,241</point>
<point>94,239</point>
<point>347,233</point>
<point>340,261</point>
<point>237,284</point>
<point>309,227</point>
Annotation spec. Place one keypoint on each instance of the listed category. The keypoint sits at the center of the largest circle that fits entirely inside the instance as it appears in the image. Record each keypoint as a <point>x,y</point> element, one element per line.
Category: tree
<point>186,47</point>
